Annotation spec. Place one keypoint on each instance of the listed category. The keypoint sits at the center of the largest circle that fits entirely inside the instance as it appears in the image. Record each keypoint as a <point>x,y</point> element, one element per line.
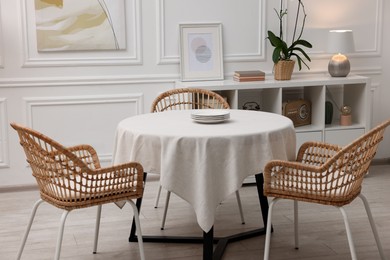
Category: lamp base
<point>339,66</point>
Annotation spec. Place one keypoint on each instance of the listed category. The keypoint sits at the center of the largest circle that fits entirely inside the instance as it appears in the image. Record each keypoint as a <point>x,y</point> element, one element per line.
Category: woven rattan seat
<point>71,178</point>
<point>324,174</point>
<point>184,99</point>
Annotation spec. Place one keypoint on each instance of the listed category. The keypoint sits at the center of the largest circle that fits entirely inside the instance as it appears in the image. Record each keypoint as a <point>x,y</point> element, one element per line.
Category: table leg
<point>262,199</point>
<point>138,203</point>
<point>208,240</point>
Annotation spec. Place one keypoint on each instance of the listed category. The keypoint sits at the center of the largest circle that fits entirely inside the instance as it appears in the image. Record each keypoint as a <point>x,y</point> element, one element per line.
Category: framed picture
<point>73,25</point>
<point>81,33</point>
<point>201,55</point>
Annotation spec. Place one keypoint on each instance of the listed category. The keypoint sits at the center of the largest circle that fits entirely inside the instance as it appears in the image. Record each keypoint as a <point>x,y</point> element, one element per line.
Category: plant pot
<point>284,69</point>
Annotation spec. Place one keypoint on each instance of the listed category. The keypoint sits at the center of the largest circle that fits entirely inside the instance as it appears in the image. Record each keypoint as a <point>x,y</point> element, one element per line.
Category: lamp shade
<point>340,41</point>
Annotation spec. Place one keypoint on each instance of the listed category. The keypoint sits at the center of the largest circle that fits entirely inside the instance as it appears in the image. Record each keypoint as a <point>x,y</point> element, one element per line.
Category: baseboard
<point>383,161</point>
<point>18,188</point>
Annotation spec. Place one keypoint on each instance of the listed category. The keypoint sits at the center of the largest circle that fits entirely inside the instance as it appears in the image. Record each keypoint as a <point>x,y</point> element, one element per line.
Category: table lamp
<point>340,42</point>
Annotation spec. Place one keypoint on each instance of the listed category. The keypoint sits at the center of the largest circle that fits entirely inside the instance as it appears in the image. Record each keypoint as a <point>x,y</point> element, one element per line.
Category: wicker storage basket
<point>284,69</point>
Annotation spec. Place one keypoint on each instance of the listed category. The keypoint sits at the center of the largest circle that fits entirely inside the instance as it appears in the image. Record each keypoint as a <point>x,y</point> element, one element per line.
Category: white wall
<point>381,104</point>
<point>80,96</point>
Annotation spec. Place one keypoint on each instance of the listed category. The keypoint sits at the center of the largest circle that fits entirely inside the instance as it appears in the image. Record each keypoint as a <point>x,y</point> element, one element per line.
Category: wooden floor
<point>322,233</point>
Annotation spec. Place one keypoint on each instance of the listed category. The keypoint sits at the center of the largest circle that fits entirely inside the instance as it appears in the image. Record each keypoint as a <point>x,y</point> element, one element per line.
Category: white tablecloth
<point>204,163</point>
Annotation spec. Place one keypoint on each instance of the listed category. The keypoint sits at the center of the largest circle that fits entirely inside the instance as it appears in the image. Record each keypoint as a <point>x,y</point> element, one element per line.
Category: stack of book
<point>249,75</point>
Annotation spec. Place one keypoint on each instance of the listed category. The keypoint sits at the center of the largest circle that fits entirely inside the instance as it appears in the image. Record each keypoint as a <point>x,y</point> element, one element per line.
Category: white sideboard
<point>270,95</point>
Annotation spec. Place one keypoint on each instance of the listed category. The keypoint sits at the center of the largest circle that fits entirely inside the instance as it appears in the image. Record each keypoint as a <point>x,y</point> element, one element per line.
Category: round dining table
<point>200,161</point>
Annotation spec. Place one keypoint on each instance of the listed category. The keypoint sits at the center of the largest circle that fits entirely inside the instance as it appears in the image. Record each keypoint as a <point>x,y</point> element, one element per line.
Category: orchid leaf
<point>284,51</point>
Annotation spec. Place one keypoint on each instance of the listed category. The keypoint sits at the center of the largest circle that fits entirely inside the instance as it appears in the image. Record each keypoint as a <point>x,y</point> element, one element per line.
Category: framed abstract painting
<point>74,25</point>
<point>201,54</point>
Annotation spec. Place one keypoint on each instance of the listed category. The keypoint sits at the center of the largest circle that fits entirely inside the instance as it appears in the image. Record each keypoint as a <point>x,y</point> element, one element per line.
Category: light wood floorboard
<point>322,233</point>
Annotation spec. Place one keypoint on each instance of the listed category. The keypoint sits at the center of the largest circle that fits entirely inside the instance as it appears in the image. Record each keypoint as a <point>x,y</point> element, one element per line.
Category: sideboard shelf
<point>270,95</point>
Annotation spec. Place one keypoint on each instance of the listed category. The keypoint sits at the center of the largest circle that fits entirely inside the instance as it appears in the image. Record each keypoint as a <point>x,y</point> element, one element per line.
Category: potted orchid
<point>283,52</point>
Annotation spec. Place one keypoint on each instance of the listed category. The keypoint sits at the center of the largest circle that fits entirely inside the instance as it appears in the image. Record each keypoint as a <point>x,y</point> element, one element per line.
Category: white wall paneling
<point>3,134</point>
<point>1,39</point>
<point>103,81</point>
<point>82,119</point>
<point>243,36</point>
<point>131,56</point>
<point>80,96</point>
<point>364,17</point>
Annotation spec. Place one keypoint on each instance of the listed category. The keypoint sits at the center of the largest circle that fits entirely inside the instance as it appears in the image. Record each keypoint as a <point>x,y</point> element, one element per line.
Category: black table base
<point>208,240</point>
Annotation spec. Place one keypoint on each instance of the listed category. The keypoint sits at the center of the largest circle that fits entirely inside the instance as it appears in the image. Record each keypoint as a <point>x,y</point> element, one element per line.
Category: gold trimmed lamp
<point>340,42</point>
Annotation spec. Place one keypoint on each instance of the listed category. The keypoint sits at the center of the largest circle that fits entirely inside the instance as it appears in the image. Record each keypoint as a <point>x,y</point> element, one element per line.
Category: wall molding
<point>140,79</point>
<point>87,81</point>
<point>1,40</point>
<point>374,70</point>
<point>4,156</point>
<point>363,71</point>
<point>31,102</point>
<point>33,58</point>
<point>366,71</point>
<point>376,33</point>
<point>164,58</point>
<point>100,100</point>
<point>377,50</point>
<point>374,87</point>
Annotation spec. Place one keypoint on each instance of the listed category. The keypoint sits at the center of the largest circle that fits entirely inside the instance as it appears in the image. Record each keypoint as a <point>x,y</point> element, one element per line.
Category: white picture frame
<point>201,54</point>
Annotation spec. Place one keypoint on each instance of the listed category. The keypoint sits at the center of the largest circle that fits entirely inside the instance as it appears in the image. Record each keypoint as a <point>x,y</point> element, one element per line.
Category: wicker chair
<point>324,174</point>
<point>71,178</point>
<point>188,98</point>
<point>184,99</point>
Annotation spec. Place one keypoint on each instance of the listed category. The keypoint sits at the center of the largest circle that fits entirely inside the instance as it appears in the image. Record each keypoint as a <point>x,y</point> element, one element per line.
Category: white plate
<point>215,121</point>
<point>210,116</point>
<point>211,113</point>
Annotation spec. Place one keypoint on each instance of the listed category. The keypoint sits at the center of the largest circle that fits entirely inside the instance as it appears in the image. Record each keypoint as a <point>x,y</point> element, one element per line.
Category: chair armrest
<point>288,168</point>
<point>87,154</point>
<point>86,186</point>
<point>316,153</point>
<point>120,177</point>
<point>285,174</point>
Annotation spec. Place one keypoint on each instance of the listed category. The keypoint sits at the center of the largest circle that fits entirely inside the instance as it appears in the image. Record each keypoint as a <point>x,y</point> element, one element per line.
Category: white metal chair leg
<point>60,235</point>
<point>268,231</point>
<point>32,216</point>
<point>373,227</point>
<point>240,207</point>
<point>97,227</point>
<point>349,234</point>
<point>165,210</point>
<point>138,228</point>
<point>296,231</point>
<point>158,196</point>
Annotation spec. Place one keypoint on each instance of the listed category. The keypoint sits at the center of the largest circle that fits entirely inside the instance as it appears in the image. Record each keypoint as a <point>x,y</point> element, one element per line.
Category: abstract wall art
<point>201,56</point>
<point>72,25</point>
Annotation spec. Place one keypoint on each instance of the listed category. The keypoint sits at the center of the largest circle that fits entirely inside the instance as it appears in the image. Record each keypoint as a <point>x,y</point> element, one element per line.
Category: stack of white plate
<point>210,116</point>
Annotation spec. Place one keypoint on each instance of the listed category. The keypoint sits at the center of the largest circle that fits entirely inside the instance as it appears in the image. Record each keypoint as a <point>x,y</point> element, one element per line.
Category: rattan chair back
<point>324,173</point>
<point>188,98</point>
<point>70,178</point>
